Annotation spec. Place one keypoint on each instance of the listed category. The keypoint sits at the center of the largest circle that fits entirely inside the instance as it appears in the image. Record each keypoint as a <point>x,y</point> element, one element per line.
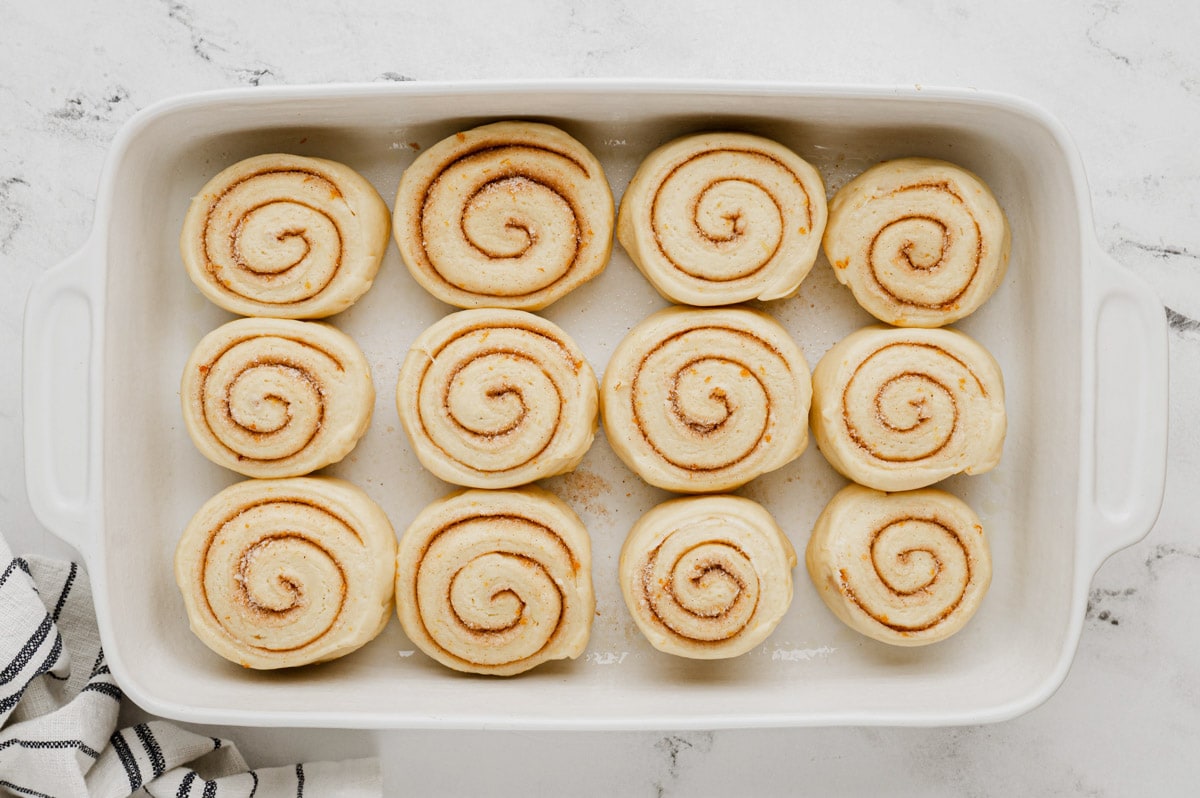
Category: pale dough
<point>285,572</point>
<point>285,236</point>
<point>509,215</point>
<point>496,582</point>
<point>723,217</point>
<point>898,409</point>
<point>920,242</point>
<point>496,398</point>
<point>276,397</point>
<point>707,577</point>
<point>699,401</point>
<point>907,569</point>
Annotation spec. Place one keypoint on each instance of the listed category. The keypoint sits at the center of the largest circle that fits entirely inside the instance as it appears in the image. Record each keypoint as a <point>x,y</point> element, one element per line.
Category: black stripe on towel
<point>210,789</point>
<point>62,597</point>
<point>126,756</point>
<point>39,744</point>
<point>98,664</point>
<point>108,688</point>
<point>27,651</point>
<point>23,790</point>
<point>16,563</point>
<point>185,786</point>
<point>152,749</point>
<point>55,651</point>
<point>51,658</point>
<point>254,789</point>
<point>299,781</point>
<point>11,701</point>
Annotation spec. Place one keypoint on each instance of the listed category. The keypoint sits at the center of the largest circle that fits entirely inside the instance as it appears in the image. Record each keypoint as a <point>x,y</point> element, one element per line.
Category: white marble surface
<point>1123,76</point>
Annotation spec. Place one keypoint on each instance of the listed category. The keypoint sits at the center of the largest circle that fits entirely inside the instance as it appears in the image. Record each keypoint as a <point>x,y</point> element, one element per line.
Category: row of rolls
<point>699,399</point>
<point>518,214</point>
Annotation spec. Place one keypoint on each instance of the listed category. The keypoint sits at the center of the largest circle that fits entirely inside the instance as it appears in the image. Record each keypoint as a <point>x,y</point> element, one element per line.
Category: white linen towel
<point>59,706</point>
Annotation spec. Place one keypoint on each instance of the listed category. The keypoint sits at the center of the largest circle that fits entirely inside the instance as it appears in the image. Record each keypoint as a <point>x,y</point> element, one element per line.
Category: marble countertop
<point>1124,78</point>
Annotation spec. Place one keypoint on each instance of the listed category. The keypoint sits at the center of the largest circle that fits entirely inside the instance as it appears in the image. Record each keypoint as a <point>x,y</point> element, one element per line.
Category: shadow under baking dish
<point>812,670</point>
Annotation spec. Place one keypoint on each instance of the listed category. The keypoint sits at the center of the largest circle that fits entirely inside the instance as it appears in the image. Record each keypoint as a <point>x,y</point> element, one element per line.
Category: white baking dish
<point>1081,342</point>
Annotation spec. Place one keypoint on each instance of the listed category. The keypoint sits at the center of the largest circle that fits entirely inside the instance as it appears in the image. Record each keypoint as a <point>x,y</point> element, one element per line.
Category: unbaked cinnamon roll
<point>898,409</point>
<point>903,568</point>
<point>285,572</point>
<point>698,401</point>
<point>496,398</point>
<point>707,577</point>
<point>719,218</point>
<point>276,397</point>
<point>508,215</point>
<point>285,236</point>
<point>496,582</point>
<point>920,242</point>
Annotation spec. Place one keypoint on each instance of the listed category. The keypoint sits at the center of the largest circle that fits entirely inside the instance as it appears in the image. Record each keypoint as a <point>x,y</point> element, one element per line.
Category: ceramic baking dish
<point>1081,342</point>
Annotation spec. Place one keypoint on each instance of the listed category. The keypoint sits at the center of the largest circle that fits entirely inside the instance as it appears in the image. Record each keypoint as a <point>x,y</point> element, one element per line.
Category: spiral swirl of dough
<point>285,236</point>
<point>698,401</point>
<point>284,572</point>
<point>496,582</point>
<point>508,215</point>
<point>707,577</point>
<point>898,409</point>
<point>719,218</point>
<point>497,398</point>
<point>906,568</point>
<point>921,243</point>
<point>276,397</point>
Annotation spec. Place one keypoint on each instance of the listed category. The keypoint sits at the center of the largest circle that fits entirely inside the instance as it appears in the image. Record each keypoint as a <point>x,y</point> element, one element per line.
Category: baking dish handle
<point>1125,427</point>
<point>60,377</point>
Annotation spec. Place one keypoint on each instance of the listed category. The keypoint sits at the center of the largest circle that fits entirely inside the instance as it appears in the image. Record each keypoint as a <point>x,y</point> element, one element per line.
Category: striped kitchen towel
<point>59,709</point>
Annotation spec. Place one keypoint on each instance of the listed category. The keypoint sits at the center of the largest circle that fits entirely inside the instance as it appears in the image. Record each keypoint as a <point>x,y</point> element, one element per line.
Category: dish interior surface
<point>812,669</point>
